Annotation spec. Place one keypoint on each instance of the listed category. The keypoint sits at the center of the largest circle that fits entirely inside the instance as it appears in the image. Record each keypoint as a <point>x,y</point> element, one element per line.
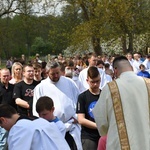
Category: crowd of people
<point>78,103</point>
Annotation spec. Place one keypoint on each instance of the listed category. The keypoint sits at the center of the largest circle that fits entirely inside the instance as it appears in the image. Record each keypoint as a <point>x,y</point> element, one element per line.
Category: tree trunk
<point>95,41</point>
<point>124,46</point>
<point>96,45</point>
<point>130,48</point>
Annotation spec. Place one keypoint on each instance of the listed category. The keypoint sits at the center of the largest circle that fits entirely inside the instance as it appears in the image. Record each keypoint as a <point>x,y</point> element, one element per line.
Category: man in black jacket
<point>6,97</point>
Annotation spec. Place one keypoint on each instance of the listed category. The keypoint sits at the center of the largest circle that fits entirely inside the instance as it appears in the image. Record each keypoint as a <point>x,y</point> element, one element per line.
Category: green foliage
<point>40,46</point>
<point>83,25</point>
<point>112,20</point>
<point>62,28</point>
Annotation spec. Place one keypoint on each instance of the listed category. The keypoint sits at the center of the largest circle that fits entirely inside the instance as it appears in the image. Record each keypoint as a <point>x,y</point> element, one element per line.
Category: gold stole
<point>147,82</point>
<point>123,136</point>
<point>122,131</point>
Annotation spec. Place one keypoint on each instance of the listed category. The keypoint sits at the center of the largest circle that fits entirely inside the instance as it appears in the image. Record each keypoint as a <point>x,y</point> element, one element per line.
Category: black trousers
<point>70,141</point>
<point>88,144</point>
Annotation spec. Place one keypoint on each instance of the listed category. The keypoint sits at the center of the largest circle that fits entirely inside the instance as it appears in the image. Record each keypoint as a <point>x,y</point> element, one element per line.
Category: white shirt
<point>146,63</point>
<point>136,65</point>
<point>83,76</point>
<point>131,61</point>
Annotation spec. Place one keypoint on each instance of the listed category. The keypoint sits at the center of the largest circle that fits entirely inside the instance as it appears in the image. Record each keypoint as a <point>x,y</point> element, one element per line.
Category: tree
<point>62,27</point>
<point>105,20</point>
<point>93,27</point>
<point>96,25</point>
<point>5,36</point>
<point>128,18</point>
<point>41,47</point>
<point>7,7</point>
<point>25,9</point>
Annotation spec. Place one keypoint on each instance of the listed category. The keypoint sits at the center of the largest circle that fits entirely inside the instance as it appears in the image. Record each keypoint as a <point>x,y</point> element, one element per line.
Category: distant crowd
<point>64,91</point>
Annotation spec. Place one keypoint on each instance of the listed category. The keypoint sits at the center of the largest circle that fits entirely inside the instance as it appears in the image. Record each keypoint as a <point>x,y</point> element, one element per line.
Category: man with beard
<point>64,93</point>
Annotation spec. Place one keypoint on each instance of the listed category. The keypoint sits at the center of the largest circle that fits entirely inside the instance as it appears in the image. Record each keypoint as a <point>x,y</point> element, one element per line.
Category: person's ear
<point>87,80</point>
<point>3,120</point>
<point>53,108</point>
<point>115,72</point>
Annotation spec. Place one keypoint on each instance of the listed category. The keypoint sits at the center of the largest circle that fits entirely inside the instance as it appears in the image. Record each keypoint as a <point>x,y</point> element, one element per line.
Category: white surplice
<point>64,108</point>
<point>83,76</point>
<point>64,94</point>
<point>134,98</point>
<point>36,135</point>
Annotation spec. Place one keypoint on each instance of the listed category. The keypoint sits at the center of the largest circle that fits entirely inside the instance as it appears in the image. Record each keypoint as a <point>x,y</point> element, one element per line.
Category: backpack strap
<point>118,110</point>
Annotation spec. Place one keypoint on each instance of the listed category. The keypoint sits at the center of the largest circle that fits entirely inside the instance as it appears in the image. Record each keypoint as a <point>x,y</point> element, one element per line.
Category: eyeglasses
<point>29,71</point>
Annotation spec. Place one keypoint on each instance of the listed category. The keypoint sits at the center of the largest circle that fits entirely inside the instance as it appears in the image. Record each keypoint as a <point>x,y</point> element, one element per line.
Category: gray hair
<point>52,64</point>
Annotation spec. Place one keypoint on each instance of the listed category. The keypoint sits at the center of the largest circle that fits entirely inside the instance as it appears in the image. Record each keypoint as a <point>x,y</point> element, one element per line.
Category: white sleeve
<point>100,112</point>
<point>103,78</point>
<point>35,98</point>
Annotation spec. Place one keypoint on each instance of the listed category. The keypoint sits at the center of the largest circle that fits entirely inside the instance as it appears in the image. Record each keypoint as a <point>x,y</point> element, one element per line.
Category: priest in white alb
<point>123,109</point>
<point>64,93</point>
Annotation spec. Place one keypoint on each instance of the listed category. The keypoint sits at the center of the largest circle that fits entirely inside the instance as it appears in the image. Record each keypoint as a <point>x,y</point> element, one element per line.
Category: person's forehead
<point>96,78</point>
<point>5,72</point>
<point>37,69</point>
<point>69,67</point>
<point>28,68</point>
<point>53,69</point>
<point>100,64</point>
<point>135,55</point>
<point>18,66</point>
<point>93,57</point>
<point>45,111</point>
<point>129,55</point>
